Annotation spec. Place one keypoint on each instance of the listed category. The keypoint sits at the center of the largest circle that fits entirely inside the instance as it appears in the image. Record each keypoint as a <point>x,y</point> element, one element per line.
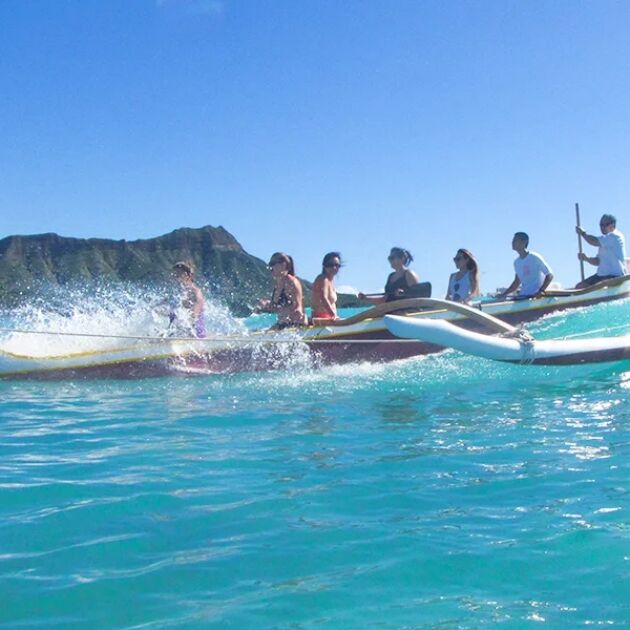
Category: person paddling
<point>324,295</point>
<point>191,299</point>
<point>533,274</point>
<point>611,255</point>
<point>287,298</point>
<point>399,281</point>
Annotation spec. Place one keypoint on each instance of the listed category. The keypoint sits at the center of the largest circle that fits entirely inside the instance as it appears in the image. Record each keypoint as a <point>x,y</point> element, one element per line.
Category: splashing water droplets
<point>91,321</point>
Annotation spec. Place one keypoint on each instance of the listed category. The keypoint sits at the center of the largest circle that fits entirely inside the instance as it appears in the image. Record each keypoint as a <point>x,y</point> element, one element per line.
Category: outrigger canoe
<point>363,337</point>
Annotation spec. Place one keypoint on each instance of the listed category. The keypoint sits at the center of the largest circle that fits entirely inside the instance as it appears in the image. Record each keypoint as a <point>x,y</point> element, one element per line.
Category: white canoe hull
<point>552,352</point>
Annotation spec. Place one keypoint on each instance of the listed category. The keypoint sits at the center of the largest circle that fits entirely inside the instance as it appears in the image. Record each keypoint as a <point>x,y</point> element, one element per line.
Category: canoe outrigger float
<point>369,336</point>
<point>512,345</point>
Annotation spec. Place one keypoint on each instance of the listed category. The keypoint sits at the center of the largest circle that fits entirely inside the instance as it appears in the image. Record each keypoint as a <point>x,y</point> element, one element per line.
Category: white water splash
<point>78,321</point>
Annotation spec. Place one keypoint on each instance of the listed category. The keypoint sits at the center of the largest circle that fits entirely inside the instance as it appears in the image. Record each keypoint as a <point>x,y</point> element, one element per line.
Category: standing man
<point>611,256</point>
<point>533,274</point>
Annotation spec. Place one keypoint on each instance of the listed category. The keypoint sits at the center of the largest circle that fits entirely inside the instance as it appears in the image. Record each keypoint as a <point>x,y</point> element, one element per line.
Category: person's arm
<point>591,260</point>
<point>295,296</point>
<point>328,296</point>
<point>516,283</point>
<point>411,277</point>
<point>589,238</point>
<point>199,303</point>
<point>545,284</point>
<point>264,305</point>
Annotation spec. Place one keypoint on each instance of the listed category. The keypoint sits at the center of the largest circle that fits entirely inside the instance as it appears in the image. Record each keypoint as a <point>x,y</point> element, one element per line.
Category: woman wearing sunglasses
<point>287,297</point>
<point>399,281</point>
<point>324,296</point>
<point>463,285</point>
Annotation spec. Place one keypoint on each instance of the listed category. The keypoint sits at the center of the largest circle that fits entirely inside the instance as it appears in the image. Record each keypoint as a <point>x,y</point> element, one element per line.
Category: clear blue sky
<point>310,126</point>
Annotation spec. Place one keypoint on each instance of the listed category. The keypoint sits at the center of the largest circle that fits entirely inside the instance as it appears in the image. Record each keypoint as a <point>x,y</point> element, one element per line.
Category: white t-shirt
<point>611,254</point>
<point>531,271</point>
<point>459,290</point>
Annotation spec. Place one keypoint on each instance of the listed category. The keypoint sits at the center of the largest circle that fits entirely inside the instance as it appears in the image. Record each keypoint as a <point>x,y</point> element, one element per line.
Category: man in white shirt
<point>533,274</point>
<point>611,256</point>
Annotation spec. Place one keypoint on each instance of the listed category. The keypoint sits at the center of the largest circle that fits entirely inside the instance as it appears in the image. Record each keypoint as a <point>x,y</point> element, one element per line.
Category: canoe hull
<point>363,338</point>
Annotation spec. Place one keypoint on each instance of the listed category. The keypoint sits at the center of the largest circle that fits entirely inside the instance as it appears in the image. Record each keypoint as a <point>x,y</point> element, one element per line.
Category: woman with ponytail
<point>287,299</point>
<point>399,281</point>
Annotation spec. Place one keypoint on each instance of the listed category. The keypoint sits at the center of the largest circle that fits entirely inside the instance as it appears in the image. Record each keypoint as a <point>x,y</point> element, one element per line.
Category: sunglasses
<point>331,265</point>
<point>457,258</point>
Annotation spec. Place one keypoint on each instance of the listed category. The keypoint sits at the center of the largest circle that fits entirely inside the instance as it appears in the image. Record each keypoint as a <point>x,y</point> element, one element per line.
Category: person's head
<point>331,263</point>
<point>183,271</point>
<point>607,223</point>
<point>399,257</point>
<point>465,261</point>
<point>281,263</point>
<point>520,241</point>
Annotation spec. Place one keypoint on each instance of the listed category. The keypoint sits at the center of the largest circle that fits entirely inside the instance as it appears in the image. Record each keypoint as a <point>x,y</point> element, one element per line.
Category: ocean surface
<point>439,492</point>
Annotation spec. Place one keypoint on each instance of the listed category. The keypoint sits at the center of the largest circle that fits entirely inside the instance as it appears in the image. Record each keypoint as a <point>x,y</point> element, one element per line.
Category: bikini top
<point>282,300</point>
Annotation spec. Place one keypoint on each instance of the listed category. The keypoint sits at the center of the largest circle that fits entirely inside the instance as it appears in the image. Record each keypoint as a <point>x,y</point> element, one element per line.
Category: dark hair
<point>281,257</point>
<point>328,258</point>
<point>399,252</point>
<point>186,267</point>
<point>473,266</point>
<point>609,219</point>
<point>523,237</point>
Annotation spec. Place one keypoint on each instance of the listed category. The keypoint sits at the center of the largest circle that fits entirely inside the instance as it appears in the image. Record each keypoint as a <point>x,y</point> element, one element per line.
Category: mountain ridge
<point>32,264</point>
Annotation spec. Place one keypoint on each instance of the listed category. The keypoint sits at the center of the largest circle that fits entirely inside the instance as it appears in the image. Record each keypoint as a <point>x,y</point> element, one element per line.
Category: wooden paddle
<point>579,237</point>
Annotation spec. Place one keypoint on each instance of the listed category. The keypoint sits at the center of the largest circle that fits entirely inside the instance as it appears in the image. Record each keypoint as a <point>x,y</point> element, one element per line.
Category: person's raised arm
<point>589,238</point>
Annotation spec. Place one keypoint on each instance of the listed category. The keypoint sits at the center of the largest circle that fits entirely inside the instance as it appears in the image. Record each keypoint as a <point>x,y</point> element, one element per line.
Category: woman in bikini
<point>287,299</point>
<point>324,296</point>
<point>463,285</point>
<point>399,281</point>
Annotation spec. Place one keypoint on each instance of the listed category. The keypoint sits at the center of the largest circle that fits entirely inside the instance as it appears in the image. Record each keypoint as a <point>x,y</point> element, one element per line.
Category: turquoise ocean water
<point>438,492</point>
